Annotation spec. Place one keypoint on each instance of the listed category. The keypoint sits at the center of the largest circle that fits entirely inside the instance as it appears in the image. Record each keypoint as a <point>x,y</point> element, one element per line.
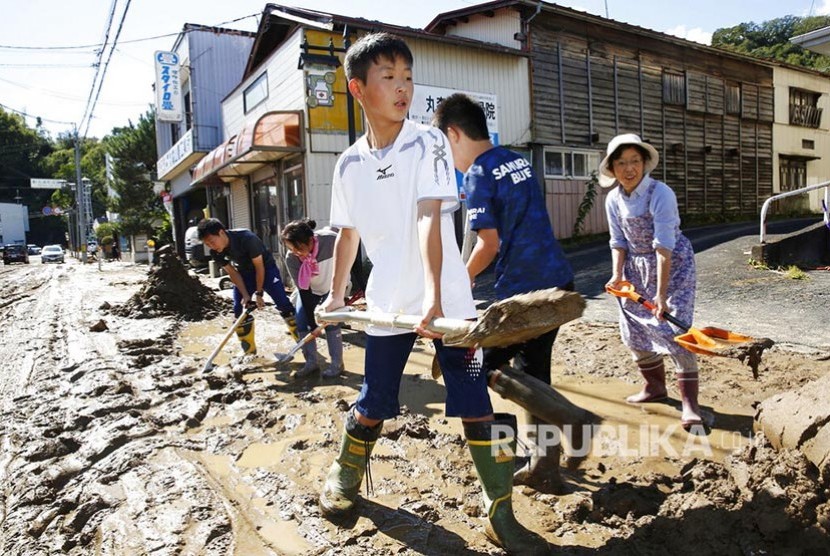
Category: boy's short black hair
<point>369,49</point>
<point>209,227</point>
<point>461,111</point>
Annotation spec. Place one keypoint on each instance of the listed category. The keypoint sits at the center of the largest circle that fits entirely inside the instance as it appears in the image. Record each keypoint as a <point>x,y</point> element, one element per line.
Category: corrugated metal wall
<point>319,170</point>
<point>218,60</point>
<point>240,205</point>
<point>563,197</point>
<point>476,70</point>
<point>498,29</point>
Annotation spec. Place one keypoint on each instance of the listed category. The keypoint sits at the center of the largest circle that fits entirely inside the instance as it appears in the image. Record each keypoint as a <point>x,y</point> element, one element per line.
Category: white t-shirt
<point>377,193</point>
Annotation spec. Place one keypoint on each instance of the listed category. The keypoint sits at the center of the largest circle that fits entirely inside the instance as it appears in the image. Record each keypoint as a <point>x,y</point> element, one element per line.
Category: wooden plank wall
<point>589,81</point>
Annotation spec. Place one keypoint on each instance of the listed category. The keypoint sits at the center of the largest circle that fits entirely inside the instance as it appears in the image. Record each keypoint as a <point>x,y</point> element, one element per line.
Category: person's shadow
<point>416,533</point>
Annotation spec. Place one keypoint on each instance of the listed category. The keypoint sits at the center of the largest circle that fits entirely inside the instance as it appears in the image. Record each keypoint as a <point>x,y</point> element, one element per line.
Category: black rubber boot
<point>346,473</point>
<point>493,445</point>
<point>541,472</point>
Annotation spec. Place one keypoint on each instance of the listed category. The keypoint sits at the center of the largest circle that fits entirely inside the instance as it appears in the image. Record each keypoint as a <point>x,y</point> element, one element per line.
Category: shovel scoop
<point>705,341</point>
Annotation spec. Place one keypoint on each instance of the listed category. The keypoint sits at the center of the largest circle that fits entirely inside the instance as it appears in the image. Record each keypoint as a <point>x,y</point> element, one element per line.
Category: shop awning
<point>270,137</point>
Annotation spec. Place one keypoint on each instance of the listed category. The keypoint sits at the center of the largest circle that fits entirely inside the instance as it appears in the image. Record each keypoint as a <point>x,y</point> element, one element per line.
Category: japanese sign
<point>43,183</point>
<point>168,89</point>
<point>426,98</point>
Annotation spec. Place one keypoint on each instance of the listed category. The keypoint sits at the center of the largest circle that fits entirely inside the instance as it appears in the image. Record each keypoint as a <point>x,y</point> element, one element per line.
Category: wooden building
<point>708,112</point>
<point>287,120</point>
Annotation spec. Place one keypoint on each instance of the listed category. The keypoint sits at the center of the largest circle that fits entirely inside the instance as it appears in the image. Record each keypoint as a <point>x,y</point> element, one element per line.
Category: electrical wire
<point>10,109</point>
<point>130,41</point>
<point>99,56</point>
<point>106,65</point>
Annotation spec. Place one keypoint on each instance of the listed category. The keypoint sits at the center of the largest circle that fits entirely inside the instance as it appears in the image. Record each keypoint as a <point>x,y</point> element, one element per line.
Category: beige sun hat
<point>606,174</point>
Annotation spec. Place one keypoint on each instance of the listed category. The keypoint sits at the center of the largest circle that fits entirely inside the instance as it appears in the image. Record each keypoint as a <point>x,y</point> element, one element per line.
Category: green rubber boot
<point>245,333</point>
<point>493,445</point>
<point>346,473</point>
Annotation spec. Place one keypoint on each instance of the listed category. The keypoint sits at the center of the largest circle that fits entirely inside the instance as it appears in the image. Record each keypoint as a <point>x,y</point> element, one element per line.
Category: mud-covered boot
<point>541,472</point>
<point>245,333</point>
<point>688,385</point>
<point>291,323</point>
<point>311,364</point>
<point>492,445</point>
<point>654,372</point>
<point>334,339</point>
<point>346,473</point>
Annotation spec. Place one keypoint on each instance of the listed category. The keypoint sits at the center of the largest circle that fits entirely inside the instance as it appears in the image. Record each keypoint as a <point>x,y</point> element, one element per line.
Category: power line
<point>99,54</point>
<point>10,109</point>
<point>106,65</point>
<point>131,41</point>
<point>46,65</point>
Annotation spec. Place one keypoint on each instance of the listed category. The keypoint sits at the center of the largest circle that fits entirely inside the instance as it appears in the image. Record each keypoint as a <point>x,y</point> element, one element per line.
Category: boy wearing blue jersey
<point>507,211</point>
<point>394,189</point>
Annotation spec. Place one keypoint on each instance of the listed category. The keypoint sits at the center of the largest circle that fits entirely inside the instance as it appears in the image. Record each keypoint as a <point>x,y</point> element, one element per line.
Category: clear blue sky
<point>55,84</point>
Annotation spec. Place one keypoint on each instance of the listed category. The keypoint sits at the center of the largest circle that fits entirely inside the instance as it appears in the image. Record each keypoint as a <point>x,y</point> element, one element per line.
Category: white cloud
<point>824,9</point>
<point>695,34</point>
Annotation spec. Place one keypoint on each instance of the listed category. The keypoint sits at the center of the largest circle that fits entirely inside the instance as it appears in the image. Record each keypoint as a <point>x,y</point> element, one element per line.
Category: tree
<point>133,152</point>
<point>22,152</point>
<point>771,39</point>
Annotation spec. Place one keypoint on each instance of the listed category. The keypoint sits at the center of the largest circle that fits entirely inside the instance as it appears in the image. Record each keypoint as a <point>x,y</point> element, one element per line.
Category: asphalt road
<point>730,293</point>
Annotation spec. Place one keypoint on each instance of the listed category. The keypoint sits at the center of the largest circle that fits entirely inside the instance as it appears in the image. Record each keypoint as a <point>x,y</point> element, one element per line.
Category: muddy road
<point>114,443</point>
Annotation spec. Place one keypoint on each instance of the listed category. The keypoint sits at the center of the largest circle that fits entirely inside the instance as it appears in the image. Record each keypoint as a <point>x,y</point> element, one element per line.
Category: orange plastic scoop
<point>705,341</point>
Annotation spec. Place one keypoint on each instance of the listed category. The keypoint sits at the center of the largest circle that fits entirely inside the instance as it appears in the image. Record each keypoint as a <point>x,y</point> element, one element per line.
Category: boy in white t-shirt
<point>395,190</point>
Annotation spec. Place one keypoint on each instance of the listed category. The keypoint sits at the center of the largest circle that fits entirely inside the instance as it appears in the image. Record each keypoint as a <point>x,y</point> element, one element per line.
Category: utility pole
<point>79,199</point>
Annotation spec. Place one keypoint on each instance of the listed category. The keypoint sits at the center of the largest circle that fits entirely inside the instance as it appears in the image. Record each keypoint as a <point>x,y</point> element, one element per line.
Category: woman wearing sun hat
<point>649,250</point>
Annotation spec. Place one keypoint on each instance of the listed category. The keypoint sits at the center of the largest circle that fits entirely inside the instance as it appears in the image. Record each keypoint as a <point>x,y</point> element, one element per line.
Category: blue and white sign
<point>168,87</point>
<point>426,99</point>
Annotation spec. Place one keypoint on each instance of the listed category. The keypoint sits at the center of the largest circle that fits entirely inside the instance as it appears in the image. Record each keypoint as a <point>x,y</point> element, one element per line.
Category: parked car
<point>14,253</point>
<point>33,249</point>
<point>52,254</point>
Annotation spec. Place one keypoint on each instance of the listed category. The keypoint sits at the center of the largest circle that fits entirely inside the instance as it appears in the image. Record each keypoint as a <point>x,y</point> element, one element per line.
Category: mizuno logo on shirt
<point>382,173</point>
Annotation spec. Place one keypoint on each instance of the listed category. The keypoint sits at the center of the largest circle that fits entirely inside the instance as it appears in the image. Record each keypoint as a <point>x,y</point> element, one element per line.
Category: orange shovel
<point>706,341</point>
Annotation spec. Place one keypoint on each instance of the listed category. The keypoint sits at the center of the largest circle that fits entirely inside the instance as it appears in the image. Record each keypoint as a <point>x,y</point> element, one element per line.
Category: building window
<point>733,98</point>
<point>804,110</point>
<point>256,92</point>
<point>793,173</point>
<point>570,164</point>
<point>808,144</point>
<point>674,88</point>
<point>174,133</point>
<point>188,113</point>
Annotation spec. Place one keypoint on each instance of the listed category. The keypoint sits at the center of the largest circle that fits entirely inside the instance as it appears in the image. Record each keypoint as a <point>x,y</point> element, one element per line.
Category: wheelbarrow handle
<point>627,290</point>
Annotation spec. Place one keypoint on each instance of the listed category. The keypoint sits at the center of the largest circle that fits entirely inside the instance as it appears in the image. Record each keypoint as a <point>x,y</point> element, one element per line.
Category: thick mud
<point>170,291</point>
<point>114,443</point>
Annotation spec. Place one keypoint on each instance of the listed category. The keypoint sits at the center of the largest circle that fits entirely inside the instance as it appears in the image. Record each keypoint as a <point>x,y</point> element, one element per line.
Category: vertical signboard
<point>426,98</point>
<point>168,87</point>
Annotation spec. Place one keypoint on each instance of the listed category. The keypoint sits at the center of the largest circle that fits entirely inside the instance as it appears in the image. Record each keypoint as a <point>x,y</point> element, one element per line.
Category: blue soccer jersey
<point>504,194</point>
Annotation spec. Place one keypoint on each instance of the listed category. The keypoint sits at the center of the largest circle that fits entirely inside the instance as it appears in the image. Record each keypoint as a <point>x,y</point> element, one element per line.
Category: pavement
<point>731,293</point>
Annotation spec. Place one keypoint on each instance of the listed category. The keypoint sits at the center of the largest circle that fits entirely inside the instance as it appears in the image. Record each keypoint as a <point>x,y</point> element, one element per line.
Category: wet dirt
<point>114,443</point>
<point>170,290</point>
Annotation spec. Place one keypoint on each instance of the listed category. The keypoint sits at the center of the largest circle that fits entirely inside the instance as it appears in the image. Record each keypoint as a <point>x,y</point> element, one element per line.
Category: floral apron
<point>640,329</point>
